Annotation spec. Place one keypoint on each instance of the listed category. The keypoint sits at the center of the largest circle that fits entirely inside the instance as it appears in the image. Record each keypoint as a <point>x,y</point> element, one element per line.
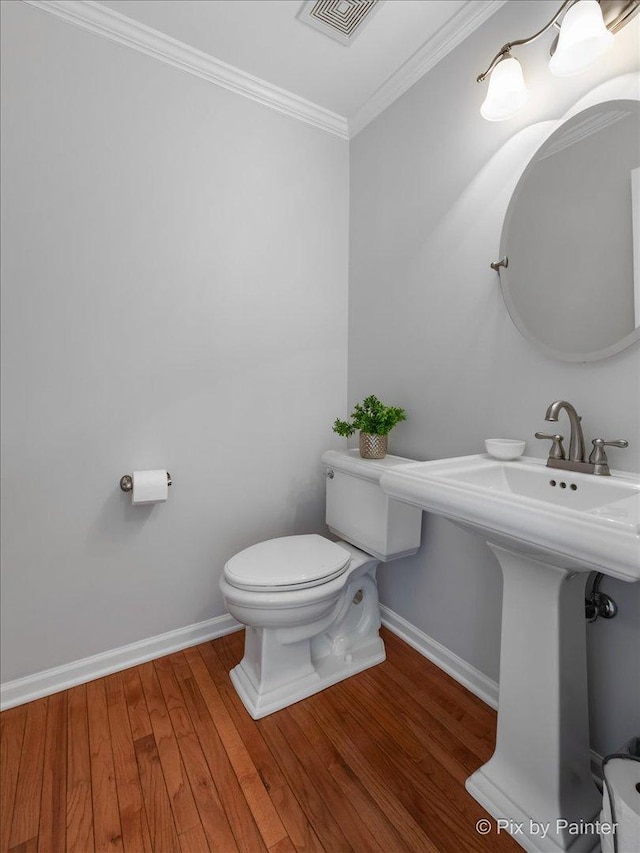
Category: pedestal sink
<point>547,528</point>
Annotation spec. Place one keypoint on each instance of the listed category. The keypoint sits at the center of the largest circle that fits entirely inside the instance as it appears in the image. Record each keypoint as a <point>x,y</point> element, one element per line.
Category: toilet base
<point>328,670</point>
<point>293,650</point>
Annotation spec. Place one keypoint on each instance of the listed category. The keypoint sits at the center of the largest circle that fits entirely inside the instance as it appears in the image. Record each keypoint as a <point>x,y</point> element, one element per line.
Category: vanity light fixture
<point>586,32</point>
<point>507,93</point>
<point>583,38</point>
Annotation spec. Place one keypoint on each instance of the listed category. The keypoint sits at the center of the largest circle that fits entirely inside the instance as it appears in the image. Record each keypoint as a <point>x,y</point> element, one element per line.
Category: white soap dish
<point>505,448</point>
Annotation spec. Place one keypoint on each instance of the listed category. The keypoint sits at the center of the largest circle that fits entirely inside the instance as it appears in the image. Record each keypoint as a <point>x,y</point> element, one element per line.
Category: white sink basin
<point>547,528</point>
<point>580,521</point>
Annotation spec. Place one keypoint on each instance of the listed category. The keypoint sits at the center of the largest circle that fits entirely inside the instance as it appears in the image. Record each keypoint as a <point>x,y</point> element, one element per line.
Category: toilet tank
<point>359,512</point>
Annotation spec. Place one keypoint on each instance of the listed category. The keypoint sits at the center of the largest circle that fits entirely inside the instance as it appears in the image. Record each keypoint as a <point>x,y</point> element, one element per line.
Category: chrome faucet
<point>576,440</point>
<point>597,464</point>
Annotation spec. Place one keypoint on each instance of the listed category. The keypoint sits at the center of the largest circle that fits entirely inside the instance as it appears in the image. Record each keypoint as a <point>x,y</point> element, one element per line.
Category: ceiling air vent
<point>342,20</point>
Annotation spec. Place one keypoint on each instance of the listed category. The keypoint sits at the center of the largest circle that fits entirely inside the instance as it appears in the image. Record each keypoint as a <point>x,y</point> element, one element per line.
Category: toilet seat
<point>287,563</point>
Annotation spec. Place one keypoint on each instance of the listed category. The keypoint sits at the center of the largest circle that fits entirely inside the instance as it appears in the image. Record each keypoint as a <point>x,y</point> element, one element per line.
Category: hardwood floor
<point>163,757</point>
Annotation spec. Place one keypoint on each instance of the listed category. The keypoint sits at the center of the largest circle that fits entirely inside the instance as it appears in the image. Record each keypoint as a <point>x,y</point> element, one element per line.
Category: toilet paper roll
<point>149,487</point>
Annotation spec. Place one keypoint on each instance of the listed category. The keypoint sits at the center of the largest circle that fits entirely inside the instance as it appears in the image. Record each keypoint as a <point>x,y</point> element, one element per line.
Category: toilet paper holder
<point>126,482</point>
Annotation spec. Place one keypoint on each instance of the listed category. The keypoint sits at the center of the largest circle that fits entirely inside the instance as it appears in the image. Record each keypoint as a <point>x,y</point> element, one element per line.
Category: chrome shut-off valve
<point>599,605</point>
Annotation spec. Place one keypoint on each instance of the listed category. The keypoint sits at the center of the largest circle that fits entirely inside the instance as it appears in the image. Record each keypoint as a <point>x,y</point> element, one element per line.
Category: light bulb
<point>507,93</point>
<point>583,39</point>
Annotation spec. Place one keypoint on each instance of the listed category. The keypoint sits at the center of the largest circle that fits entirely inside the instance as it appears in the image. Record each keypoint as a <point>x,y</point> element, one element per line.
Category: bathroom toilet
<point>309,604</point>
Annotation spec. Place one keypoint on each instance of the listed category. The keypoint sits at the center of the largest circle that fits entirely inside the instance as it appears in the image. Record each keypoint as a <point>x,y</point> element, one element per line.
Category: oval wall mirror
<point>572,237</point>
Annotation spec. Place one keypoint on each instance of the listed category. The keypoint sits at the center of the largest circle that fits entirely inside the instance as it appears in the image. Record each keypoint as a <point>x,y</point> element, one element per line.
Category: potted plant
<point>375,421</point>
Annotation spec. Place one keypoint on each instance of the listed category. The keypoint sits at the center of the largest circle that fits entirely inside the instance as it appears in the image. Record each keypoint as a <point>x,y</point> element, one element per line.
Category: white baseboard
<point>87,669</point>
<point>59,678</point>
<point>474,680</point>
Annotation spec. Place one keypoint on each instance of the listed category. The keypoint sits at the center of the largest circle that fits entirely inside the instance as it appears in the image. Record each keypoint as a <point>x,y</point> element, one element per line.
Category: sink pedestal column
<point>539,778</point>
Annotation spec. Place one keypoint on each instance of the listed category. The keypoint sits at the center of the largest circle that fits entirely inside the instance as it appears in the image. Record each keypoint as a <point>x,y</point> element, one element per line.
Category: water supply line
<point>599,604</point>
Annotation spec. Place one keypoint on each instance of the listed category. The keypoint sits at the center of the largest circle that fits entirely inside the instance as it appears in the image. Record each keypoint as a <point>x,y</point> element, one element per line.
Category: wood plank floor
<point>163,757</point>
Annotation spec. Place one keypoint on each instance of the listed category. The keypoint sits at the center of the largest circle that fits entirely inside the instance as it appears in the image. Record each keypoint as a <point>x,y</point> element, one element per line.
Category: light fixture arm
<point>505,49</point>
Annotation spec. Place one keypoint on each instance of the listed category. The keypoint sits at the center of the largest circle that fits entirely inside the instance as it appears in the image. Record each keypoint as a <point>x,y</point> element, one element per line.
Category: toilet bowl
<point>309,604</point>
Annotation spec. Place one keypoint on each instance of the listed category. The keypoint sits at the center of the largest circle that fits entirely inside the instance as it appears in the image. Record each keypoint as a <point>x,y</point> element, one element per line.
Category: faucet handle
<point>598,455</point>
<point>557,450</point>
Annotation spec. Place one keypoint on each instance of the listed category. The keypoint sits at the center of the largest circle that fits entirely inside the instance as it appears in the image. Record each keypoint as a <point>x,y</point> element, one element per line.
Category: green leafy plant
<point>370,416</point>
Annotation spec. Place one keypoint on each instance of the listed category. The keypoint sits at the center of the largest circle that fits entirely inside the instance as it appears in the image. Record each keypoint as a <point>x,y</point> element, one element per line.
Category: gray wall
<point>174,273</point>
<point>174,294</point>
<point>430,183</point>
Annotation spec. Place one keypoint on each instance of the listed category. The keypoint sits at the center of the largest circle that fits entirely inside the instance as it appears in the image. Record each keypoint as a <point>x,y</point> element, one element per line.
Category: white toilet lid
<point>290,562</point>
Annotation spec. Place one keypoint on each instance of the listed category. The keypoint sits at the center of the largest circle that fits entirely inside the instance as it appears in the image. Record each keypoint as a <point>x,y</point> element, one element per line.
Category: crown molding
<point>107,23</point>
<point>448,37</point>
<point>98,19</point>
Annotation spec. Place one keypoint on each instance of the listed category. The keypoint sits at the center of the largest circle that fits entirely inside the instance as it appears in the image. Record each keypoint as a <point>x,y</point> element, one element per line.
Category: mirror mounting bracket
<point>503,262</point>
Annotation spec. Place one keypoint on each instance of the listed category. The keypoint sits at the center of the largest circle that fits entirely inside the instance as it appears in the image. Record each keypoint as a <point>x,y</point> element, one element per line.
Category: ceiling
<point>265,39</point>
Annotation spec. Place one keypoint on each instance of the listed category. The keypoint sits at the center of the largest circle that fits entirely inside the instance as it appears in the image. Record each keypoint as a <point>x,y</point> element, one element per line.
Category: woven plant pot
<point>373,446</point>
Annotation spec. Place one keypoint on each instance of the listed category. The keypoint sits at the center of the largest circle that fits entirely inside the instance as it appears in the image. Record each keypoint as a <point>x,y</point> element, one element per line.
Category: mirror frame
<point>504,274</point>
